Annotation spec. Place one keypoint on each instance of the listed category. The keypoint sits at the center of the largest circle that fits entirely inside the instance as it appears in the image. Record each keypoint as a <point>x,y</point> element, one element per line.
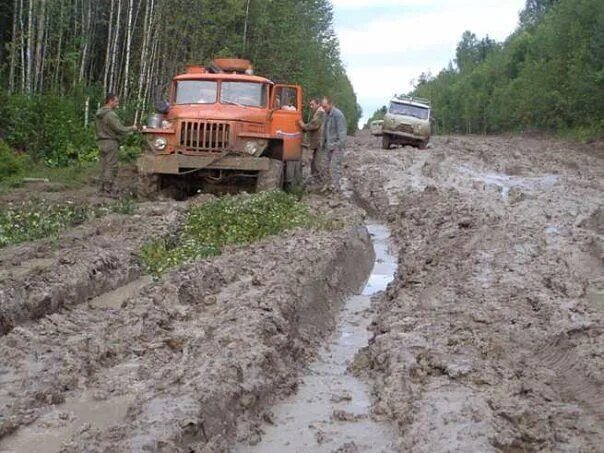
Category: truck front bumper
<point>173,164</point>
<point>406,135</point>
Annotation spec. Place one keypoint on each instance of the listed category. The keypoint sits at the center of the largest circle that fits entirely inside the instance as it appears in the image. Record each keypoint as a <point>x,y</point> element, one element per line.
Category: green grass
<point>232,220</point>
<point>583,134</point>
<point>32,220</point>
<point>72,177</point>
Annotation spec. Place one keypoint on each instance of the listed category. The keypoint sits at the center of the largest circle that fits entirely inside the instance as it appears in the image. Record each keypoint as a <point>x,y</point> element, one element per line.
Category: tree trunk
<point>41,21</point>
<point>13,51</point>
<point>30,50</point>
<point>22,36</point>
<point>108,52</point>
<point>86,26</point>
<point>116,38</point>
<point>128,45</point>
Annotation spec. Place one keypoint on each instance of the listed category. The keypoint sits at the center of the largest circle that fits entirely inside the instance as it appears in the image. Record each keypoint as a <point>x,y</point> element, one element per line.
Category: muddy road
<point>487,337</point>
<point>490,338</point>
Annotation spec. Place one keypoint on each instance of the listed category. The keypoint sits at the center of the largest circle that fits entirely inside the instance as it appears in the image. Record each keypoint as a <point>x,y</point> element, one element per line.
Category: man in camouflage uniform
<point>314,129</point>
<point>109,133</point>
<point>332,143</point>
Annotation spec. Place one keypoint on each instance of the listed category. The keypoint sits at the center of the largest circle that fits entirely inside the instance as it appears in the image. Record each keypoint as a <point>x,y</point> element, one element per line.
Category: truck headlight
<point>254,147</point>
<point>160,143</point>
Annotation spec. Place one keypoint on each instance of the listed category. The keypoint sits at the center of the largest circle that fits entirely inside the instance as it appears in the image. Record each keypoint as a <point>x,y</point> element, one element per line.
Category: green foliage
<point>49,128</point>
<point>73,176</point>
<point>235,220</point>
<point>37,219</point>
<point>11,164</point>
<point>131,148</point>
<point>294,41</point>
<point>548,75</point>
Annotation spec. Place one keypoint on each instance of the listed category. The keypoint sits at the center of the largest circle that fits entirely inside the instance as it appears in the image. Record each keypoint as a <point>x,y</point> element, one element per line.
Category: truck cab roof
<point>223,76</point>
<point>408,100</point>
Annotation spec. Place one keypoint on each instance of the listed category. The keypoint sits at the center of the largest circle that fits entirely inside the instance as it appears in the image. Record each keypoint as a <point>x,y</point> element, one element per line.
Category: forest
<point>547,76</point>
<point>59,57</point>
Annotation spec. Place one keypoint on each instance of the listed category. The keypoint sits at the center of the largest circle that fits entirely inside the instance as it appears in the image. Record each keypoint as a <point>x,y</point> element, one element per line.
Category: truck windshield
<point>196,92</point>
<point>248,94</point>
<point>409,110</point>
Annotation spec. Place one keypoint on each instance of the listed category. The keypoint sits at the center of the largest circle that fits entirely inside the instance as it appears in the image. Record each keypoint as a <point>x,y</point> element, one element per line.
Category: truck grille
<point>406,128</point>
<point>204,136</point>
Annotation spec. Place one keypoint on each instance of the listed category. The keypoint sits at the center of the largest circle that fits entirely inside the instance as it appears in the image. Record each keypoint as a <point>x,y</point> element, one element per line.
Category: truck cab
<point>222,123</point>
<point>407,122</point>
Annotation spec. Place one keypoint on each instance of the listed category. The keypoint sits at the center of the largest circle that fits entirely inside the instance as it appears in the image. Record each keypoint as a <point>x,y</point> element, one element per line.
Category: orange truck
<point>223,125</point>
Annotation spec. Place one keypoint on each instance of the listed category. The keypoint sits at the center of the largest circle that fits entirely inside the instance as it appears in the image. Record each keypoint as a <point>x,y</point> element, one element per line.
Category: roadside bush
<point>132,148</point>
<point>234,220</point>
<point>48,128</point>
<point>11,164</point>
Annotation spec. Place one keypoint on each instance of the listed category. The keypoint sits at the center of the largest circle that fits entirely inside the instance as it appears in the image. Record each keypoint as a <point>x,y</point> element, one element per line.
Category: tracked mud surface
<point>491,336</point>
<point>43,277</point>
<point>187,363</point>
<point>331,410</point>
<point>488,339</point>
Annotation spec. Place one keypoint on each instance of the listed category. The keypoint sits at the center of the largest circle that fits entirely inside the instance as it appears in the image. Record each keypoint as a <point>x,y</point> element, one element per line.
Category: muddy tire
<point>272,178</point>
<point>386,141</point>
<point>148,186</point>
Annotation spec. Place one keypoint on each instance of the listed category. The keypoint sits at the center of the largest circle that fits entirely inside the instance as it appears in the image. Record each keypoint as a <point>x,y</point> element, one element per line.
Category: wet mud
<point>43,277</point>
<point>491,336</point>
<point>191,361</point>
<point>331,409</point>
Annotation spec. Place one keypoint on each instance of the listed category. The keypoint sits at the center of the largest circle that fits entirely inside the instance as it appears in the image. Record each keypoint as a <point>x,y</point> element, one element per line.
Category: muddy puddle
<point>331,410</point>
<point>114,299</point>
<point>505,183</point>
<point>49,433</point>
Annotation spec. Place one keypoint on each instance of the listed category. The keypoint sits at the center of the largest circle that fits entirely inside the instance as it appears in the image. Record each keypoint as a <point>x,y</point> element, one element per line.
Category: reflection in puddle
<point>506,182</point>
<point>332,408</point>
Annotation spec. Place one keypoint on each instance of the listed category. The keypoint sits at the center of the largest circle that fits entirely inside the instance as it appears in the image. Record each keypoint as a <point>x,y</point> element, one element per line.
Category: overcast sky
<point>386,44</point>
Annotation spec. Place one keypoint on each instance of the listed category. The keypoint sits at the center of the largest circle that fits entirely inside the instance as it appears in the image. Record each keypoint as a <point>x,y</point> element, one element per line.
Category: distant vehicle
<point>222,124</point>
<point>407,122</point>
<point>376,128</point>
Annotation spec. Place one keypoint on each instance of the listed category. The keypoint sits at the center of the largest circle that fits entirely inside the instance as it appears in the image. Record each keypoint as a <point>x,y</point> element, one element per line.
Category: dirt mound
<point>491,337</point>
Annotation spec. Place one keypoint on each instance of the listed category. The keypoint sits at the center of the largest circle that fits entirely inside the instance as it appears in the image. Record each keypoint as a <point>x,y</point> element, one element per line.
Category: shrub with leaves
<point>11,164</point>
<point>48,127</point>
<point>233,220</point>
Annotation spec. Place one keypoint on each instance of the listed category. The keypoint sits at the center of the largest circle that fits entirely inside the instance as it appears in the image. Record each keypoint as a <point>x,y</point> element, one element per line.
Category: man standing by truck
<point>314,128</point>
<point>332,143</point>
<point>109,133</point>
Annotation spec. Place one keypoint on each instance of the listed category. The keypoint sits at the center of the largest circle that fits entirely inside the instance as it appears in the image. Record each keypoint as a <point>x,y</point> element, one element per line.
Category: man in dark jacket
<point>332,143</point>
<point>109,133</point>
<point>314,129</point>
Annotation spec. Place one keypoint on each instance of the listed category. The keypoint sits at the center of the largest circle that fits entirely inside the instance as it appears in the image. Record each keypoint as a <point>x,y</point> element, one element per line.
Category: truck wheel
<point>272,178</point>
<point>148,185</point>
<point>386,142</point>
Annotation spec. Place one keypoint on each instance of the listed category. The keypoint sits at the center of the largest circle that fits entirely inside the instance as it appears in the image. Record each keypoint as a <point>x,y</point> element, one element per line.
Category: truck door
<point>286,106</point>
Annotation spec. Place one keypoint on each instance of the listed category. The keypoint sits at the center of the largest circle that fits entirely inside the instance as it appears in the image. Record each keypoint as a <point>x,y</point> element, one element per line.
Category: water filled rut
<point>331,410</point>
